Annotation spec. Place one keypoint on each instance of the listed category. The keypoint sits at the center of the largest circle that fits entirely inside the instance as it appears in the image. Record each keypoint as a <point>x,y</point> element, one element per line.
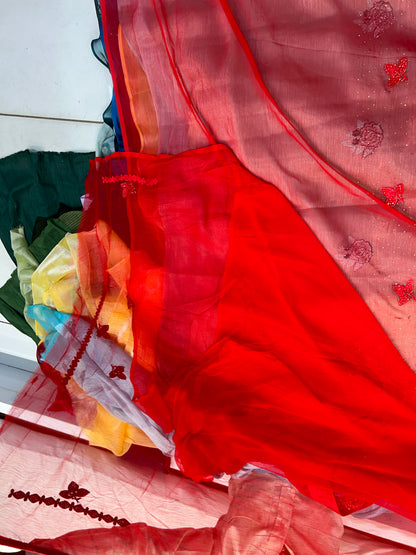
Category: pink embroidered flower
<point>405,292</point>
<point>366,138</point>
<point>356,254</point>
<point>377,18</point>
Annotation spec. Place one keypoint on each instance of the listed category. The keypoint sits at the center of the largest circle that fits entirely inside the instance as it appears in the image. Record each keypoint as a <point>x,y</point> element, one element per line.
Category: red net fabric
<point>301,96</point>
<point>250,344</point>
<point>245,302</point>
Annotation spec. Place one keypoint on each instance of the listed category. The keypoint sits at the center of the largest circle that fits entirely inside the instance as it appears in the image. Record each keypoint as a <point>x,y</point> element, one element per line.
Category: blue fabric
<point>51,321</point>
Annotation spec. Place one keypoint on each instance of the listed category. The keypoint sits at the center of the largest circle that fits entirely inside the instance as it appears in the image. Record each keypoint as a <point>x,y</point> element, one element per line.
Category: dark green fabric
<point>11,300</point>
<point>12,304</point>
<point>41,222</point>
<point>35,184</point>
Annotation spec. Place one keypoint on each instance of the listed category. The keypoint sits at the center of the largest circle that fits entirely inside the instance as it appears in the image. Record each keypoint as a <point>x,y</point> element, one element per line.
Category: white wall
<point>52,95</point>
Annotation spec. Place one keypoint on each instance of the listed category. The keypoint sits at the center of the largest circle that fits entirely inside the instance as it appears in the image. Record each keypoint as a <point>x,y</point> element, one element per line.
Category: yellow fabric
<point>100,427</point>
<point>55,283</point>
<point>115,312</point>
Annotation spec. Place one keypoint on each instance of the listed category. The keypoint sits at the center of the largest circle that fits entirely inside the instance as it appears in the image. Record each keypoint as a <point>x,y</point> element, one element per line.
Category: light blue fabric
<point>51,321</point>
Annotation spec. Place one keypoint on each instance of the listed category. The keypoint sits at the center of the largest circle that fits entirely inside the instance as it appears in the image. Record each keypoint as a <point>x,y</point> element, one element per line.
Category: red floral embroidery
<point>369,136</point>
<point>377,19</point>
<point>405,292</point>
<point>102,331</point>
<point>117,372</point>
<point>74,492</point>
<point>71,493</point>
<point>393,195</point>
<point>127,188</point>
<point>397,73</point>
<point>357,253</point>
<point>366,138</point>
<point>131,178</point>
<point>84,344</point>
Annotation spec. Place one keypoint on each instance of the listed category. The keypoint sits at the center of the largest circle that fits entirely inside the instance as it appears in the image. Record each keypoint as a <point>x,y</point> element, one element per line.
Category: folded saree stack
<point>238,296</point>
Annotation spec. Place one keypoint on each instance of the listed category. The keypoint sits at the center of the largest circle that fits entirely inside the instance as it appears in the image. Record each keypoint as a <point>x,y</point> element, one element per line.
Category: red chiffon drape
<point>250,343</point>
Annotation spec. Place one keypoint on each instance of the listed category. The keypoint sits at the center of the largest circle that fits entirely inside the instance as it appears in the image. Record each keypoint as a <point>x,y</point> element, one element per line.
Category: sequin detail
<point>366,138</point>
<point>358,253</point>
<point>117,372</point>
<point>405,293</point>
<point>393,195</point>
<point>397,73</point>
<point>377,18</point>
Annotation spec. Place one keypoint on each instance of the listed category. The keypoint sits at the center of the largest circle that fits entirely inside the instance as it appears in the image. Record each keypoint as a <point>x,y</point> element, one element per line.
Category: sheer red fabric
<point>300,93</point>
<point>266,284</point>
<point>250,344</point>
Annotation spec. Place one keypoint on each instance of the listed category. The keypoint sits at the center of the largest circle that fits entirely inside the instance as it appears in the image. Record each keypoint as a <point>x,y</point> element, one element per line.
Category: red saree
<point>250,344</point>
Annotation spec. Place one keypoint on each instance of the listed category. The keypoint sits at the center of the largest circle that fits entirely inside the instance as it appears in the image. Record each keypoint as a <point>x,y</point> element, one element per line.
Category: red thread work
<point>76,507</point>
<point>397,73</point>
<point>74,492</point>
<point>130,177</point>
<point>368,138</point>
<point>393,195</point>
<point>117,372</point>
<point>102,331</point>
<point>405,293</point>
<point>377,19</point>
<point>84,344</point>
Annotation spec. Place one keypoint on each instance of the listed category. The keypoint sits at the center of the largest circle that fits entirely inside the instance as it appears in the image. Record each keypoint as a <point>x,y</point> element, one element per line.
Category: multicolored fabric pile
<point>238,296</point>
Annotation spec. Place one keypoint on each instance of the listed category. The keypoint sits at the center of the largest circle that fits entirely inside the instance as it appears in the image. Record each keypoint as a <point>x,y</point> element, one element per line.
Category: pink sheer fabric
<point>265,514</point>
<point>301,95</point>
<point>249,342</point>
<point>233,352</point>
<point>54,483</point>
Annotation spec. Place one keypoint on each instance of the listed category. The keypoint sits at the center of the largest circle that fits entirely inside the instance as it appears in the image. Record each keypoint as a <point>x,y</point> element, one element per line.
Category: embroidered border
<point>71,506</point>
<point>83,347</point>
<point>130,177</point>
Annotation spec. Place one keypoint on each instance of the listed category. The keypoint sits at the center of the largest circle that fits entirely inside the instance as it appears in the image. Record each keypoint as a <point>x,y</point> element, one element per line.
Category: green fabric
<point>26,265</point>
<point>72,220</point>
<point>70,217</point>
<point>12,303</point>
<point>34,184</point>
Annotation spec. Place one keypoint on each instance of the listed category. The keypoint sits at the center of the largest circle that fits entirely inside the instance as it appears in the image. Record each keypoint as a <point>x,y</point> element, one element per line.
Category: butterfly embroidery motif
<point>397,73</point>
<point>117,372</point>
<point>393,194</point>
<point>74,492</point>
<point>404,292</point>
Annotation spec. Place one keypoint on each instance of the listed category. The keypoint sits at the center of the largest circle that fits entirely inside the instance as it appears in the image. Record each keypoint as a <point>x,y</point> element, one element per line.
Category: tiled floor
<point>52,96</point>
